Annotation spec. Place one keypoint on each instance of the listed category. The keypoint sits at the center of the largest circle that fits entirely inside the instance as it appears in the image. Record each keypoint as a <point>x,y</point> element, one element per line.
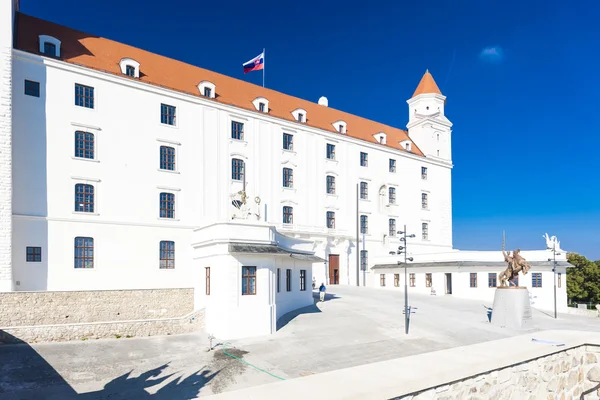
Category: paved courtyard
<point>354,326</point>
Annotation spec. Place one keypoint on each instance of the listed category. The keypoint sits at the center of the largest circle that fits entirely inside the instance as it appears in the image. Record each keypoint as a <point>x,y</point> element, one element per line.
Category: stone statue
<point>516,263</point>
<point>242,210</point>
<point>551,242</point>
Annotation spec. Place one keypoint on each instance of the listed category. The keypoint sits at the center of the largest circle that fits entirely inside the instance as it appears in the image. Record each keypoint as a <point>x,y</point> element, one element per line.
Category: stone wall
<point>570,374</point>
<point>100,330</point>
<point>58,308</point>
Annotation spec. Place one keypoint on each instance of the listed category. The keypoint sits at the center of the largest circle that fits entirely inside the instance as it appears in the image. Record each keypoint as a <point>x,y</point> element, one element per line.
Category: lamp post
<point>554,253</point>
<point>402,249</point>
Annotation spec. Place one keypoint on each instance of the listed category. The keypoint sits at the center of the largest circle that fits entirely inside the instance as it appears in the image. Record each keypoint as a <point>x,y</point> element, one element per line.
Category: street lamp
<point>402,249</point>
<point>553,259</point>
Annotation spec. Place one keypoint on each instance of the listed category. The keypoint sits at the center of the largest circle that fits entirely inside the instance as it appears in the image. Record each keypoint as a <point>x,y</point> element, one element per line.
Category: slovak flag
<point>256,64</point>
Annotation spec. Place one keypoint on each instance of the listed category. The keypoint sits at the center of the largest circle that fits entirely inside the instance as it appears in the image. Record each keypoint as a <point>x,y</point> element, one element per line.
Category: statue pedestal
<point>512,308</point>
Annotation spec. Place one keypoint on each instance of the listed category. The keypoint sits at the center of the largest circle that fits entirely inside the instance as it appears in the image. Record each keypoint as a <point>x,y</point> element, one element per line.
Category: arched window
<point>84,252</point>
<point>84,198</point>
<point>167,158</point>
<point>167,205</point>
<point>330,184</point>
<point>167,254</point>
<point>237,169</point>
<point>84,145</point>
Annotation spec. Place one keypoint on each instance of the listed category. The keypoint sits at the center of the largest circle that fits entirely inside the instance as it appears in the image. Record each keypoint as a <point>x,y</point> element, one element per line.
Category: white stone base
<point>512,308</point>
<point>5,285</point>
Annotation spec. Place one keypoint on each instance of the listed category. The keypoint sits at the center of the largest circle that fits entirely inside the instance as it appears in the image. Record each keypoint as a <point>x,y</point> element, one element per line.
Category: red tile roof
<point>427,85</point>
<point>104,55</point>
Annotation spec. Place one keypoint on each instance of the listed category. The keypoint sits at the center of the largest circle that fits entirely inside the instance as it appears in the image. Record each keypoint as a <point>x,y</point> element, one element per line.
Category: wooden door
<point>334,269</point>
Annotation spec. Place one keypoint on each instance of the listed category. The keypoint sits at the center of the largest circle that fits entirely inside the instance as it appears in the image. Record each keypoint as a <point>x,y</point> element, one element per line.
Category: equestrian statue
<point>516,263</point>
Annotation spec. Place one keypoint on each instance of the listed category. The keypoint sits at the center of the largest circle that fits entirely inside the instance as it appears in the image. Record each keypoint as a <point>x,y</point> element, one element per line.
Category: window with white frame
<point>424,201</point>
<point>84,198</point>
<point>238,168</point>
<point>167,254</point>
<point>392,195</point>
<point>130,67</point>
<point>340,126</point>
<point>261,104</point>
<point>392,165</point>
<point>364,190</point>
<point>167,114</point>
<point>167,158</point>
<point>392,227</point>
<point>424,173</point>
<point>49,46</point>
<point>330,219</point>
<point>364,224</point>
<point>288,178</point>
<point>288,215</point>
<point>207,89</point>
<point>299,115</point>
<point>364,159</point>
<point>167,205</point>
<point>84,145</point>
<point>425,231</point>
<point>237,130</point>
<point>330,183</point>
<point>288,141</point>
<point>330,151</point>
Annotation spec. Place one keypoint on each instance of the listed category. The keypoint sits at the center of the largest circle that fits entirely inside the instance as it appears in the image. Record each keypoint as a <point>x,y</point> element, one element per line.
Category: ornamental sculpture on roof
<point>551,242</point>
<point>241,207</point>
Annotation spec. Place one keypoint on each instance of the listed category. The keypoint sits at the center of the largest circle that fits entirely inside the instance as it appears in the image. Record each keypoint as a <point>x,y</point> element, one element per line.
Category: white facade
<point>129,222</point>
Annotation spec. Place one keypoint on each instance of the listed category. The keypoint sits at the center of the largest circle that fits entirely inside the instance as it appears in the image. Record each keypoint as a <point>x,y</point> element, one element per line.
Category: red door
<point>334,269</point>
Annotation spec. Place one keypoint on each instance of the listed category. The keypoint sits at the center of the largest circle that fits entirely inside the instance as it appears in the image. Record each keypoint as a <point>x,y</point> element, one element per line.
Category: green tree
<point>583,280</point>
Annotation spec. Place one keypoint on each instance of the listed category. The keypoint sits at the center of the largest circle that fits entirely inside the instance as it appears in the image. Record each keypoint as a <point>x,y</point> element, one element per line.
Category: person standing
<point>322,290</point>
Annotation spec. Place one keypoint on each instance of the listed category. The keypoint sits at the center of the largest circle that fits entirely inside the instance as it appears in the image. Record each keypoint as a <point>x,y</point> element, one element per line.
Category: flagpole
<point>264,64</point>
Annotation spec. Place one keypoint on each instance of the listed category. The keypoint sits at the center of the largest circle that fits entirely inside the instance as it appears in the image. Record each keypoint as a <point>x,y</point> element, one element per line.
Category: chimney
<point>323,101</point>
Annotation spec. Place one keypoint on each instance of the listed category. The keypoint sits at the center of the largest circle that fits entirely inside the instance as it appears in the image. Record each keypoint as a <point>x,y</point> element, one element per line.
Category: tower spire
<point>427,85</point>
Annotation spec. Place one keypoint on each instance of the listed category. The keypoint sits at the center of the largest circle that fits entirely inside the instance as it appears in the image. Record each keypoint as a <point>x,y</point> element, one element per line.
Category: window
<point>32,88</point>
<point>364,224</point>
<point>207,92</point>
<point>288,141</point>
<point>84,198</point>
<point>330,184</point>
<point>300,117</point>
<point>392,165</point>
<point>331,151</point>
<point>392,227</point>
<point>492,279</point>
<point>407,146</point>
<point>248,280</point>
<point>237,130</point>
<point>364,259</point>
<point>302,280</point>
<point>425,231</point>
<point>84,252</point>
<point>207,269</point>
<point>364,190</point>
<point>288,178</point>
<point>381,279</point>
<point>536,280</point>
<point>288,280</point>
<point>261,107</point>
<point>438,137</point>
<point>288,215</point>
<point>424,173</point>
<point>424,202</point>
<point>167,114</point>
<point>396,280</point>
<point>34,254</point>
<point>392,195</point>
<point>167,205</point>
<point>341,128</point>
<point>412,280</point>
<point>364,159</point>
<point>237,169</point>
<point>438,153</point>
<point>167,158</point>
<point>50,49</point>
<point>84,96</point>
<point>473,279</point>
<point>330,219</point>
<point>167,254</point>
<point>428,280</point>
<point>559,279</point>
<point>130,70</point>
<point>278,279</point>
<point>84,145</point>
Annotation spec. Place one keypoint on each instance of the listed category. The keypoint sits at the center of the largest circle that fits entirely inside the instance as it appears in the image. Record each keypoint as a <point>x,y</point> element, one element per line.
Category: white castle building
<point>124,169</point>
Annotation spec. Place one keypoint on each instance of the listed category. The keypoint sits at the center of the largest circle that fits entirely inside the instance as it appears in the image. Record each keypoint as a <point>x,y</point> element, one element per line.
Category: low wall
<point>512,368</point>
<point>101,330</point>
<point>585,313</point>
<point>57,308</point>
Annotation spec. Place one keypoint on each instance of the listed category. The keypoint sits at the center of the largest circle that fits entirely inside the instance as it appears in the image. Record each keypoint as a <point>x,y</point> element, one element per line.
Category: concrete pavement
<point>354,326</point>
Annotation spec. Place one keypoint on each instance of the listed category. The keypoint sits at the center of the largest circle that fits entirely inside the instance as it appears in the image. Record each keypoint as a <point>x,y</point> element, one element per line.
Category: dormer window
<point>207,89</point>
<point>130,67</point>
<point>380,137</point>
<point>340,126</point>
<point>299,115</point>
<point>406,144</point>
<point>261,104</point>
<point>49,46</point>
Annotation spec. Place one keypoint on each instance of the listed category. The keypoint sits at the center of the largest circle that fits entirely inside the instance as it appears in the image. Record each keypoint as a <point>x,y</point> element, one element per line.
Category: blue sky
<point>521,79</point>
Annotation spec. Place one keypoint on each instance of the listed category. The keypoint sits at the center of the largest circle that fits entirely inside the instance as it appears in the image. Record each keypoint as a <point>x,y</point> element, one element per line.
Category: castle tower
<point>8,10</point>
<point>427,125</point>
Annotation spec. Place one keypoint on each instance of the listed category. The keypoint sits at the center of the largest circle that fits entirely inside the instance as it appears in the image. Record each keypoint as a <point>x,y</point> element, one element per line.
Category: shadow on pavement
<point>25,375</point>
